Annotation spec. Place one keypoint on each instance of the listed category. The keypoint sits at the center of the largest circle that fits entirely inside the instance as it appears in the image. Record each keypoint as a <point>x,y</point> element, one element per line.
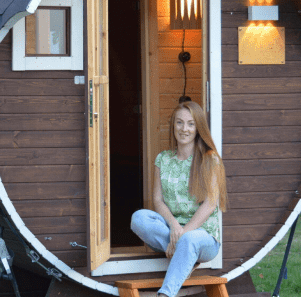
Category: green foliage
<point>265,274</point>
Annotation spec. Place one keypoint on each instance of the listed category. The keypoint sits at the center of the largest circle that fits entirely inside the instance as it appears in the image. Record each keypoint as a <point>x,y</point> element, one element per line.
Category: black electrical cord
<point>184,67</point>
<point>184,57</point>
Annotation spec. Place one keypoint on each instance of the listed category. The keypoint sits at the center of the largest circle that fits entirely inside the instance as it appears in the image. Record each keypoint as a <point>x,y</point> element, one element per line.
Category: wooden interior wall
<point>42,153</point>
<point>171,74</point>
<point>261,132</point>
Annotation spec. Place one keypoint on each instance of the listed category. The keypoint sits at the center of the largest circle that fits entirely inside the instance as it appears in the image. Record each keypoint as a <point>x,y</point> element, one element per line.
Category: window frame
<point>68,32</point>
<point>21,62</point>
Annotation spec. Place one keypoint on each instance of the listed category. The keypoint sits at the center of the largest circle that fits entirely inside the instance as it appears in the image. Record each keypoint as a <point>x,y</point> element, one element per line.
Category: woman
<point>189,184</point>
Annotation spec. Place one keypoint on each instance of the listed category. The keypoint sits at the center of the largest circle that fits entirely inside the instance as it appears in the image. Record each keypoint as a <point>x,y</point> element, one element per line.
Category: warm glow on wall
<point>261,44</point>
<point>260,2</point>
<point>185,14</point>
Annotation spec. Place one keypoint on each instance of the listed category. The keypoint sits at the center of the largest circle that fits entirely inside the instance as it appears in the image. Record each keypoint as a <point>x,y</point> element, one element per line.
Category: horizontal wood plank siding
<point>42,154</point>
<point>261,130</point>
<point>171,73</point>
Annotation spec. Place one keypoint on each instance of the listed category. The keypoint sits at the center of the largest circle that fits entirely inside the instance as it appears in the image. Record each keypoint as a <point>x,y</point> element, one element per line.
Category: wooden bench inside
<point>215,286</point>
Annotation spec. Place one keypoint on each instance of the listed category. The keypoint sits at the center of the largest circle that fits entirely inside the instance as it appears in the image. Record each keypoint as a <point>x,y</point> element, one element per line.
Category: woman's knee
<point>198,239</point>
<point>138,218</point>
<point>187,238</point>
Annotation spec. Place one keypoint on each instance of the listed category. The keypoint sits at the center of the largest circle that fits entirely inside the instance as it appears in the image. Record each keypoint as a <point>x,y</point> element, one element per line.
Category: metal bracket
<point>79,80</point>
<point>74,244</point>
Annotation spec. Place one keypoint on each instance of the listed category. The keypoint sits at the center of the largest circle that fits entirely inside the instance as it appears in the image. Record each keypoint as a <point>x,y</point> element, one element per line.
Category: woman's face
<point>184,127</point>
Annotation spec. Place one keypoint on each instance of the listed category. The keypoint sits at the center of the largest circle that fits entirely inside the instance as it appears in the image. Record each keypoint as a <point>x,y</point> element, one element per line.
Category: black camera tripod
<point>6,257</point>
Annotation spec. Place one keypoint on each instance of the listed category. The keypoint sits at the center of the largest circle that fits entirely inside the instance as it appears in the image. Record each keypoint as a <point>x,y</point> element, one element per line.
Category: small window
<point>49,39</point>
<point>47,32</point>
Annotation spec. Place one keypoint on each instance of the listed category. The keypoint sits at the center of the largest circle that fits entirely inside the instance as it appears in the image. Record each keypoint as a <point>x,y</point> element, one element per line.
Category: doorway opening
<point>125,99</point>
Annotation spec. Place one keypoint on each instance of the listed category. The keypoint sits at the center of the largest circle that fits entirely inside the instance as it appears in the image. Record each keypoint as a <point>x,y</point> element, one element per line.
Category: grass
<point>265,274</point>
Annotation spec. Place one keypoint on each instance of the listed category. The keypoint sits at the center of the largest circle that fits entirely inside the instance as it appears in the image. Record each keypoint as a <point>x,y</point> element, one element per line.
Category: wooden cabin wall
<point>42,154</point>
<point>261,132</point>
<point>171,73</point>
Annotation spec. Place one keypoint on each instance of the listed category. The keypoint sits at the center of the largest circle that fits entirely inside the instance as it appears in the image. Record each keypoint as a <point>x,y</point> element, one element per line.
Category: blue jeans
<point>193,246</point>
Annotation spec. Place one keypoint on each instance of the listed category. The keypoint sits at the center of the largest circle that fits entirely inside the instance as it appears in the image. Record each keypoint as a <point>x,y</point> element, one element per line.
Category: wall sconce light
<point>261,43</point>
<point>185,14</point>
<point>263,13</point>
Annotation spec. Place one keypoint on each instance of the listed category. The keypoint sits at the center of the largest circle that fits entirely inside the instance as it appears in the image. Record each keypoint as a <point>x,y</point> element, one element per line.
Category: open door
<point>98,132</point>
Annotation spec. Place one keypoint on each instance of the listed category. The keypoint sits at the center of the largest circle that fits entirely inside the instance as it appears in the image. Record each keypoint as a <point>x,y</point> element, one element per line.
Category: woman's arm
<point>176,230</point>
<point>207,207</point>
<point>160,206</point>
<point>200,216</point>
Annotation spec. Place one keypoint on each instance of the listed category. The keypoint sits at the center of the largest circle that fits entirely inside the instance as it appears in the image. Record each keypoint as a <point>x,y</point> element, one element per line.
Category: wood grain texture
<point>51,225</point>
<point>63,121</point>
<point>157,283</point>
<point>41,104</point>
<point>163,9</point>
<point>42,156</point>
<point>51,208</point>
<point>171,55</point>
<point>289,69</point>
<point>5,52</point>
<point>40,87</point>
<point>217,291</point>
<point>245,232</point>
<point>262,118</point>
<point>128,292</point>
<point>230,36</point>
<point>175,70</point>
<point>272,183</point>
<point>233,249</point>
<point>171,101</point>
<point>55,242</point>
<point>260,199</point>
<point>263,151</point>
<point>238,217</point>
<point>74,258</point>
<point>262,85</point>
<point>173,38</point>
<point>6,72</point>
<point>43,173</point>
<point>287,19</point>
<point>261,101</point>
<point>242,5</point>
<point>49,190</point>
<point>176,85</point>
<point>230,52</point>
<point>43,139</point>
<point>244,135</point>
<point>262,167</point>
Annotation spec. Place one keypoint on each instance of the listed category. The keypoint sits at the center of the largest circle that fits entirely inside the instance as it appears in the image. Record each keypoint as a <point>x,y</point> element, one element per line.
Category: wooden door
<point>98,133</point>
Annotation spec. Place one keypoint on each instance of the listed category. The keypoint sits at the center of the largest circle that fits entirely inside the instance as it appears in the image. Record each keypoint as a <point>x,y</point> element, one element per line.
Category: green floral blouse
<point>174,174</point>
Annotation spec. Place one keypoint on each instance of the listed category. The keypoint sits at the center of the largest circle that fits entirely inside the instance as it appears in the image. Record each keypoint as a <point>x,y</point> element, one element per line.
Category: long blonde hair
<point>207,164</point>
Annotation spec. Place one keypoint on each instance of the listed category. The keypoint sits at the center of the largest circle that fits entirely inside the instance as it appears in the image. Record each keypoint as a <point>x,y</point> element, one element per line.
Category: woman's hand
<point>176,231</point>
<point>169,251</point>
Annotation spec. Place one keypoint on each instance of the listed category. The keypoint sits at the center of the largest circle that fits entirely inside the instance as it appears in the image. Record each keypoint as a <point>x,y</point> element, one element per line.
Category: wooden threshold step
<point>215,286</point>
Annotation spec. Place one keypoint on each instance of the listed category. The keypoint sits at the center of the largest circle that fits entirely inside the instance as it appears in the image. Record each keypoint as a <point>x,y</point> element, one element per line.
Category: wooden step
<point>215,286</point>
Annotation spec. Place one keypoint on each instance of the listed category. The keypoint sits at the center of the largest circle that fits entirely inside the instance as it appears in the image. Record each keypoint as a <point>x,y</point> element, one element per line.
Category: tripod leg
<point>14,283</point>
